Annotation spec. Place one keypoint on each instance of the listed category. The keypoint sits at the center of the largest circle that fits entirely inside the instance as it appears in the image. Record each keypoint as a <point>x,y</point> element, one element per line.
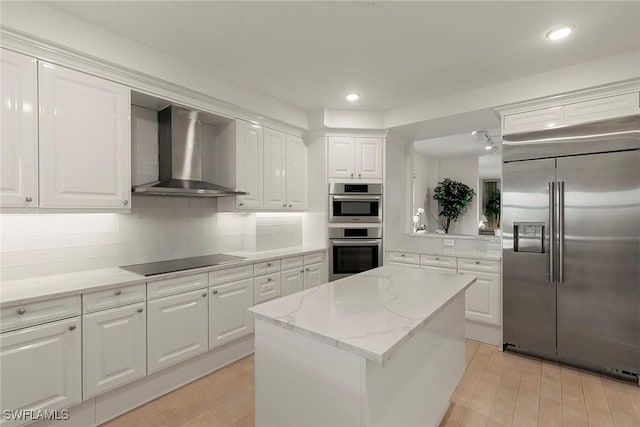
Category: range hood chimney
<point>180,158</point>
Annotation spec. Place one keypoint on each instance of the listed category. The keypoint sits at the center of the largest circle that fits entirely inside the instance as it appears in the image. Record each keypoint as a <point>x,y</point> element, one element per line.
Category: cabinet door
<point>266,288</point>
<point>483,298</point>
<point>85,148</point>
<point>275,191</point>
<point>19,143</point>
<point>296,173</point>
<point>314,275</point>
<point>41,367</point>
<point>249,164</point>
<point>342,157</point>
<point>228,315</point>
<point>176,329</point>
<point>292,281</point>
<point>369,158</point>
<point>114,348</point>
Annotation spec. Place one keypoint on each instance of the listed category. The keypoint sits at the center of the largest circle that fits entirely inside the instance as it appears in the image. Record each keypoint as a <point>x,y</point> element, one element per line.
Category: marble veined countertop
<point>52,286</point>
<point>370,314</point>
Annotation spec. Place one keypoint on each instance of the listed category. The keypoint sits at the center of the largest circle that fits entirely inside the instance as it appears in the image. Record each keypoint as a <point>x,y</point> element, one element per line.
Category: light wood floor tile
<point>497,389</point>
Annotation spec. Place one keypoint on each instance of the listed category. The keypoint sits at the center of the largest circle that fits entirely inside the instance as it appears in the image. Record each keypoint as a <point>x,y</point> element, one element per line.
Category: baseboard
<point>482,332</point>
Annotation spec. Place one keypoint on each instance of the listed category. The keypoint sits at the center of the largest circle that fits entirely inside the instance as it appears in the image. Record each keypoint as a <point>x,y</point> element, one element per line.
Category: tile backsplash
<point>157,228</point>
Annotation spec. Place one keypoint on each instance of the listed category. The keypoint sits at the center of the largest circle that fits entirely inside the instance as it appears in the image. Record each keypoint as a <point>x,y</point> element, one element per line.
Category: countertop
<point>495,255</point>
<point>45,287</point>
<point>370,314</point>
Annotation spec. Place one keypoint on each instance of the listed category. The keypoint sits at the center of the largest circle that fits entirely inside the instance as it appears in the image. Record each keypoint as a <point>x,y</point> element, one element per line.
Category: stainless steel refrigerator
<point>571,245</point>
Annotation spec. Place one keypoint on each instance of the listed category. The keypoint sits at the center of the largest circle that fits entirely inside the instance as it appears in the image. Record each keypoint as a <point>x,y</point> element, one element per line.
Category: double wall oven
<point>355,228</point>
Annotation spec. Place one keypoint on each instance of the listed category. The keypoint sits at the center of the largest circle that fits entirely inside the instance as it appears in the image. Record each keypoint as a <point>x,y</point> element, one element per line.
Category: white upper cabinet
<point>296,173</point>
<point>85,148</point>
<point>19,143</point>
<point>275,151</point>
<point>358,158</point>
<point>369,158</point>
<point>249,164</point>
<point>342,157</point>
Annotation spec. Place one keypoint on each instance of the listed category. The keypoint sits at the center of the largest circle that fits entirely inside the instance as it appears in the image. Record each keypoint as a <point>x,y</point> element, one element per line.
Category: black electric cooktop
<point>160,267</point>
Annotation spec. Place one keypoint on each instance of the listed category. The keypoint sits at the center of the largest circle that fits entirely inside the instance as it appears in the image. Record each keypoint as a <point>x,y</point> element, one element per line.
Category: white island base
<point>303,381</point>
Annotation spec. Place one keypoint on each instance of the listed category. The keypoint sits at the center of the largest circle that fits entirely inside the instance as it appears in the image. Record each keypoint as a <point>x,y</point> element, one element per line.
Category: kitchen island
<point>380,348</point>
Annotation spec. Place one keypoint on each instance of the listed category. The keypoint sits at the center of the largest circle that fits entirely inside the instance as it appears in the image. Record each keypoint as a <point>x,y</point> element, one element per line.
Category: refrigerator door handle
<point>561,232</point>
<point>552,231</point>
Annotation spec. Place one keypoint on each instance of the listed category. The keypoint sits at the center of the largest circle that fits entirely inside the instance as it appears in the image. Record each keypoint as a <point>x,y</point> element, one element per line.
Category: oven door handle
<point>355,242</point>
<point>357,198</point>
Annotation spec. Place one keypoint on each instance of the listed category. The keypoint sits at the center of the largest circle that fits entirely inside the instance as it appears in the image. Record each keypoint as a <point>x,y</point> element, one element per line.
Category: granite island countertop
<point>370,314</point>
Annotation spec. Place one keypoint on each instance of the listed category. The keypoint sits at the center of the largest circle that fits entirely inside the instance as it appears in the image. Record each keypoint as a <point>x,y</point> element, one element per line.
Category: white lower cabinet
<point>176,328</point>
<point>292,281</point>
<point>114,348</point>
<point>266,288</point>
<point>314,275</point>
<point>483,298</point>
<point>228,315</point>
<point>41,367</point>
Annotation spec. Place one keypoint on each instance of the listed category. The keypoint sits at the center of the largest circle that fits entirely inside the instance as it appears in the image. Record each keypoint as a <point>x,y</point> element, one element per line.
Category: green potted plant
<point>492,208</point>
<point>453,198</point>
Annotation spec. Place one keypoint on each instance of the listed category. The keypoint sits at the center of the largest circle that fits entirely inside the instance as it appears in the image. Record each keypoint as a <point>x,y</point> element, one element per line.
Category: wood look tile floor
<point>497,389</point>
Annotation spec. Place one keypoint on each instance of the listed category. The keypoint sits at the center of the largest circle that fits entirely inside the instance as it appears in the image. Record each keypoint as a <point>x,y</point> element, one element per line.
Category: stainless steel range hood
<point>180,158</point>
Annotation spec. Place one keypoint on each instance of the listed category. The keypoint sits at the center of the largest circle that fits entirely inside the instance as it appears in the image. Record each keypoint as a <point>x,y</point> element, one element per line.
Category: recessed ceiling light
<point>560,32</point>
<point>353,96</point>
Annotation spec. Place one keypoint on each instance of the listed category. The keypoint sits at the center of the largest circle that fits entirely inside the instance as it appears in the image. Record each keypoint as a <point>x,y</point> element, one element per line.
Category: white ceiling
<point>310,54</point>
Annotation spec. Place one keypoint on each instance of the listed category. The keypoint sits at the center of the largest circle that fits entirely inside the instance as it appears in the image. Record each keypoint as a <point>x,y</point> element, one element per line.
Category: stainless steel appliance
<point>356,203</point>
<point>180,156</point>
<point>354,250</point>
<point>571,245</point>
<point>153,268</point>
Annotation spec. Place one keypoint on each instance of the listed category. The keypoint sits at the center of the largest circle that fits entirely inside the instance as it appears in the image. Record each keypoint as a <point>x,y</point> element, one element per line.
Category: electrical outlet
<point>449,242</point>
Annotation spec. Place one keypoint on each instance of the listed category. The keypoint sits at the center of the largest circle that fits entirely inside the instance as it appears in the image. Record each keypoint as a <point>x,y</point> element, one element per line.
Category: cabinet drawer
<point>530,120</point>
<point>109,298</point>
<point>293,262</point>
<point>439,270</point>
<point>227,275</point>
<point>314,258</point>
<point>266,288</point>
<point>482,265</point>
<point>403,257</point>
<point>20,316</point>
<point>177,285</point>
<point>438,261</point>
<point>266,267</point>
<point>602,108</point>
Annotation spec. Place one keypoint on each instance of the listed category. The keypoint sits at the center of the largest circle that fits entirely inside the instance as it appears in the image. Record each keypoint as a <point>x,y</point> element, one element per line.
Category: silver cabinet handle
<point>29,199</point>
<point>140,310</point>
<point>126,202</point>
<point>204,294</point>
<point>302,271</point>
<point>477,262</point>
<point>561,232</point>
<point>268,279</point>
<point>308,269</point>
<point>552,231</point>
<point>351,175</point>
<point>268,264</point>
<point>72,327</point>
<point>359,175</point>
<point>284,206</point>
<point>290,206</point>
<point>118,292</point>
<point>21,310</point>
<point>215,291</point>
<point>402,255</point>
<point>240,204</point>
<point>437,258</point>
